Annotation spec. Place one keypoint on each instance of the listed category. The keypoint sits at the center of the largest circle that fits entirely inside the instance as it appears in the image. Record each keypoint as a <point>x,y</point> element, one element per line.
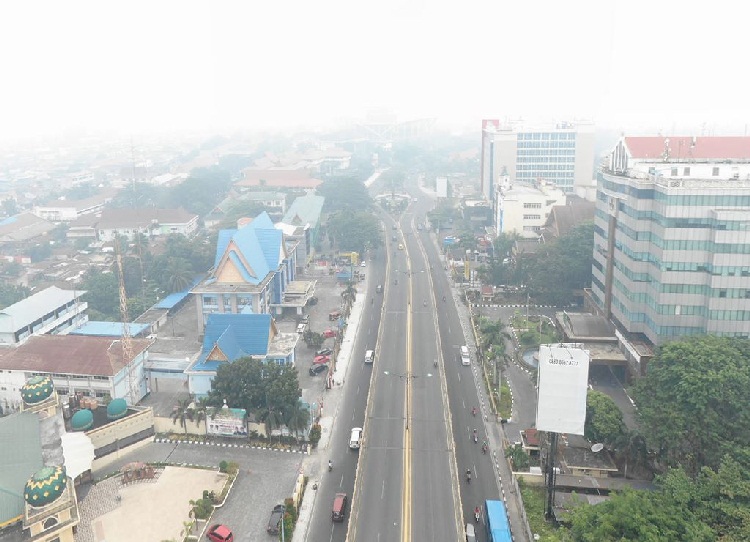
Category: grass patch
<point>534,502</point>
<point>505,401</point>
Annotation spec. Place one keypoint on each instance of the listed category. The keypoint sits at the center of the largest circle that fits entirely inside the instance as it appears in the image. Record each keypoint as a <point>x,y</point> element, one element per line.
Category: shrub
<point>223,465</point>
<point>315,435</point>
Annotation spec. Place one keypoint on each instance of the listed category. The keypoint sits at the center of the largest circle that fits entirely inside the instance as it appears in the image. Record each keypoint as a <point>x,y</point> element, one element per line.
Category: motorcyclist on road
<point>473,411</point>
<point>330,465</point>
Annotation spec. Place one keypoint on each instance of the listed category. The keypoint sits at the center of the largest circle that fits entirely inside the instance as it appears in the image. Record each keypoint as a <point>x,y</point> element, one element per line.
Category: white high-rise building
<point>561,154</point>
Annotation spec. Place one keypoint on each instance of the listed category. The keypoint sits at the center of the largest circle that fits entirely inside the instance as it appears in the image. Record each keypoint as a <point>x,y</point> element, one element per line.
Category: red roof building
<point>681,148</point>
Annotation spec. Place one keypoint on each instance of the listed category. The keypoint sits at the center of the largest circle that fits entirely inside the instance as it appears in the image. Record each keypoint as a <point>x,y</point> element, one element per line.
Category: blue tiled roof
<point>236,335</point>
<point>258,242</point>
<point>221,244</point>
<point>172,300</point>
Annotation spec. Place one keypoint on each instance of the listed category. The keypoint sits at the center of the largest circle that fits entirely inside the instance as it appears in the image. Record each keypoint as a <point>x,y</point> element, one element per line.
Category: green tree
<point>631,449</point>
<point>640,516</point>
<point>354,231</point>
<point>255,386</point>
<point>201,191</point>
<point>182,412</point>
<point>297,418</point>
<point>345,194</point>
<point>12,293</point>
<point>102,294</point>
<point>603,419</point>
<point>692,403</point>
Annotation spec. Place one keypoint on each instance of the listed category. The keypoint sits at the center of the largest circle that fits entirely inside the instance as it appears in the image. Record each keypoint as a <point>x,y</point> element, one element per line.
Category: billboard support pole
<point>551,475</point>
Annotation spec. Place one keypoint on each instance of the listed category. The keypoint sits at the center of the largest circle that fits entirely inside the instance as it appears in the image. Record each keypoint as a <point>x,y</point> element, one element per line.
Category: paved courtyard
<point>146,510</point>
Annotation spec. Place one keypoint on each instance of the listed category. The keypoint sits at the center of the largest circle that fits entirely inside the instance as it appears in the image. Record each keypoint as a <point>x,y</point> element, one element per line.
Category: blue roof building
<point>229,337</point>
<point>251,272</point>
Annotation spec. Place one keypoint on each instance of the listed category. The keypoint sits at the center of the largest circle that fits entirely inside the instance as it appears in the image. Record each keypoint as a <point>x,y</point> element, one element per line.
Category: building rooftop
<point>70,354</point>
<point>278,178</point>
<point>689,148</point>
<point>23,227</point>
<point>31,309</point>
<point>305,210</point>
<point>109,329</point>
<point>228,337</point>
<point>579,325</point>
<point>143,218</point>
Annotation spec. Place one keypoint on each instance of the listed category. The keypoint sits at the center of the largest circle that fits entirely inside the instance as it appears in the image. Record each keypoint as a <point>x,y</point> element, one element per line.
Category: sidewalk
<point>314,464</point>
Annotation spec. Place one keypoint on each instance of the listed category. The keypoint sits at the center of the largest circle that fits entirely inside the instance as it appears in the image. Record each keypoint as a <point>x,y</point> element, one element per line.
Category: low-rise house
<point>92,366</point>
<point>253,178</point>
<point>149,222</point>
<point>65,210</point>
<point>20,232</point>
<point>302,222</point>
<point>51,311</point>
<point>229,337</point>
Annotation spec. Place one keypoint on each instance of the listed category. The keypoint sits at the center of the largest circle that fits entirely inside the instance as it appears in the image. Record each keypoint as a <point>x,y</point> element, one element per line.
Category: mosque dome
<point>82,420</point>
<point>116,409</point>
<point>37,389</point>
<point>45,486</point>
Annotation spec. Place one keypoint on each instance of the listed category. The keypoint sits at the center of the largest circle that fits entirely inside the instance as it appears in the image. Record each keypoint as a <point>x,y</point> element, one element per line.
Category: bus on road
<point>498,527</point>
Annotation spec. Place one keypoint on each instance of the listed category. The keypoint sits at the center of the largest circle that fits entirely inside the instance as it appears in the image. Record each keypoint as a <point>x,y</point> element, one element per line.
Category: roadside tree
<point>603,419</point>
<point>692,403</point>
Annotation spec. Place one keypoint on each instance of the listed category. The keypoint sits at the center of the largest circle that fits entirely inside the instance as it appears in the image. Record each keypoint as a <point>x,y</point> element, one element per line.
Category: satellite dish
<point>598,447</point>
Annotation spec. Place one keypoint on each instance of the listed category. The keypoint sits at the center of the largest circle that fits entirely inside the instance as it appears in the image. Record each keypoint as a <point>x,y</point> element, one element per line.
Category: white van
<point>470,536</point>
<point>369,356</point>
<point>465,358</point>
<point>355,438</point>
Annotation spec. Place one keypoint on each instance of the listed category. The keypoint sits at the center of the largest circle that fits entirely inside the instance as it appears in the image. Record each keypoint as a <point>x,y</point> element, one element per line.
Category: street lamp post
<point>406,377</point>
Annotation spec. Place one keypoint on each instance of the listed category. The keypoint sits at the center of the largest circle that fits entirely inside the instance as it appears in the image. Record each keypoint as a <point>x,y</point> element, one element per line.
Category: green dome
<point>116,409</point>
<point>37,389</point>
<point>82,420</point>
<point>45,486</point>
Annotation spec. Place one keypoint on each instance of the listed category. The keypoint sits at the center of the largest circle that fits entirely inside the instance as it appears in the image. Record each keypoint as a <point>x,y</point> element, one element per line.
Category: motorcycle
<point>476,515</point>
<point>424,303</point>
<point>474,412</point>
<point>468,476</point>
<point>330,465</point>
<point>484,448</point>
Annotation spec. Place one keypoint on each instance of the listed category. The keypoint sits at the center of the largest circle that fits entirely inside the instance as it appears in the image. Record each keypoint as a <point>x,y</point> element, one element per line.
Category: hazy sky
<point>137,66</point>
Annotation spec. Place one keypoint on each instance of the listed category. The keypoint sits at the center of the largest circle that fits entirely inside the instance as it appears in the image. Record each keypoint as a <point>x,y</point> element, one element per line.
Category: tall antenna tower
<point>127,340</point>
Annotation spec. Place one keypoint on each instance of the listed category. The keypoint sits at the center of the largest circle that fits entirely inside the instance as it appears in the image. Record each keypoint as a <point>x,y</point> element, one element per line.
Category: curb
<point>226,445</point>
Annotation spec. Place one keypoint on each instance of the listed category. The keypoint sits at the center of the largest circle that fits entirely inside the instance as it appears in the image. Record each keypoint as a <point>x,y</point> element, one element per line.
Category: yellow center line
<point>406,497</point>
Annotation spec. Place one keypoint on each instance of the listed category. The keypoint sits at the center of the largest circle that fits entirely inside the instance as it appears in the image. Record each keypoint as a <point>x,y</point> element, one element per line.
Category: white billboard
<point>562,385</point>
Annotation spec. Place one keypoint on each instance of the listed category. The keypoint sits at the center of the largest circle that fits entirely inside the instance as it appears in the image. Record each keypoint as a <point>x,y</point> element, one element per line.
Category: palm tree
<point>349,294</point>
<point>200,410</point>
<point>631,446</point>
<point>181,412</point>
<point>297,419</point>
<point>179,273</point>
<point>273,418</point>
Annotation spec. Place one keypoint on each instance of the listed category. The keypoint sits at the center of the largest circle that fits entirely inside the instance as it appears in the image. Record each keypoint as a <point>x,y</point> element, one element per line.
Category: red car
<point>220,533</point>
<point>328,333</point>
<point>321,359</point>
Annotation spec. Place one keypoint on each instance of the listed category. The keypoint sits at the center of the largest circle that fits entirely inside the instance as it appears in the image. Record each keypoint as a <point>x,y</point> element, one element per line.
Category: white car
<point>356,438</point>
<point>363,264</point>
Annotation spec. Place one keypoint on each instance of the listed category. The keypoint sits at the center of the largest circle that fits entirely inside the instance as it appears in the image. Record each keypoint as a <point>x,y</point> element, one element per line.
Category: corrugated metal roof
<point>70,354</point>
<point>35,307</point>
<point>21,456</point>
<point>172,300</point>
<point>108,329</point>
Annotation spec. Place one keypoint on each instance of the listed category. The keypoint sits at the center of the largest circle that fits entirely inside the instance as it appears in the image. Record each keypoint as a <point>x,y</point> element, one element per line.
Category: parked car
<point>220,533</point>
<point>321,359</point>
<point>334,315</point>
<point>273,522</point>
<point>363,264</point>
<point>324,352</point>
<point>305,319</point>
<point>312,301</point>
<point>301,327</point>
<point>315,370</point>
<point>328,333</point>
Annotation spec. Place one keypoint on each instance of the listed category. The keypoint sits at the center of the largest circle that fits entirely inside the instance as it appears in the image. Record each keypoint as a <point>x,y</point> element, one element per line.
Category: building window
<point>532,205</point>
<point>673,172</point>
<point>532,217</point>
<point>49,523</point>
<point>686,172</point>
<point>722,293</point>
<point>715,172</point>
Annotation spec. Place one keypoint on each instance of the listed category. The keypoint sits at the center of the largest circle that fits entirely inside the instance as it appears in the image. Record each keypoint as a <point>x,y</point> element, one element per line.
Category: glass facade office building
<point>672,249</point>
